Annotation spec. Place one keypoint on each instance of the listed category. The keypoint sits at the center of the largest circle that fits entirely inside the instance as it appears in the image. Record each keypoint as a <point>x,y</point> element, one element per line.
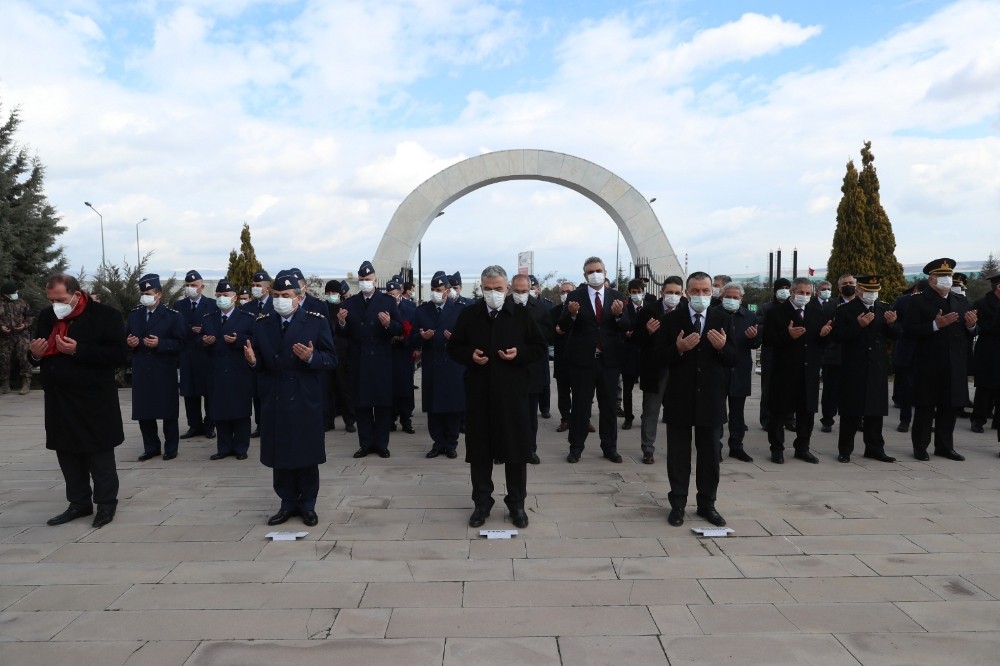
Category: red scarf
<point>62,326</point>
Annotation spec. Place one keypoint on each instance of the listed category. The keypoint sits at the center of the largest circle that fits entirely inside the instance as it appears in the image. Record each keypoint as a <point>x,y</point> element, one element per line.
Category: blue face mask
<point>699,303</point>
<point>730,304</point>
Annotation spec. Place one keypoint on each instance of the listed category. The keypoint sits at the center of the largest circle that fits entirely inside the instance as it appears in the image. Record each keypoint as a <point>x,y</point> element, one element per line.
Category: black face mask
<point>848,290</point>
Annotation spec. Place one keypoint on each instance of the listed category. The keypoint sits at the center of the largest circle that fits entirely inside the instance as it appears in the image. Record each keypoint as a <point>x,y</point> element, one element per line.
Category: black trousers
<point>706,446</point>
<point>902,389</point>
<point>871,435</point>
<point>373,427</point>
<point>482,484</point>
<point>984,405</point>
<point>151,437</point>
<point>232,436</point>
<point>533,399</point>
<point>804,419</point>
<point>402,408</point>
<point>79,468</point>
<point>586,381</point>
<point>942,418</point>
<point>564,399</point>
<point>297,487</point>
<point>339,399</point>
<point>766,360</point>
<point>192,410</point>
<point>256,401</point>
<point>737,422</point>
<point>830,402</point>
<point>443,428</point>
<point>628,384</point>
<point>545,399</point>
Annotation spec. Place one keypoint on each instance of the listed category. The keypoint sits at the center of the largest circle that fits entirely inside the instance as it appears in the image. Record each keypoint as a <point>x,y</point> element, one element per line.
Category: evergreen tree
<point>29,225</point>
<point>118,286</point>
<point>883,239</point>
<point>243,265</point>
<point>990,267</point>
<point>853,251</point>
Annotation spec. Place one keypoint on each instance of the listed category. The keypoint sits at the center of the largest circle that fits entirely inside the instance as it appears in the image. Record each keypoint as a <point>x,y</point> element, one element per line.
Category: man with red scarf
<point>78,344</point>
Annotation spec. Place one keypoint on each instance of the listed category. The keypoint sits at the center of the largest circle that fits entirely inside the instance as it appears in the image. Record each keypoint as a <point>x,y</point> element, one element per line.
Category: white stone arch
<point>643,234</point>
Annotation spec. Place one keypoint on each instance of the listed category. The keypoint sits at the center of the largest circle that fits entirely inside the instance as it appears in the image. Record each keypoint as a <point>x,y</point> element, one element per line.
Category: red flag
<point>811,272</point>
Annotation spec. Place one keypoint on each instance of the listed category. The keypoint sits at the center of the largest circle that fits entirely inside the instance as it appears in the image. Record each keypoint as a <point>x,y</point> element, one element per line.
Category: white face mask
<point>943,282</point>
<point>494,298</point>
<point>191,292</point>
<point>13,296</point>
<point>437,297</point>
<point>533,292</point>
<point>595,279</point>
<point>699,303</point>
<point>62,309</point>
<point>716,292</point>
<point>825,294</point>
<point>637,299</point>
<point>224,302</point>
<point>955,290</point>
<point>333,298</point>
<point>147,300</point>
<point>562,297</point>
<point>869,297</point>
<point>782,294</point>
<point>257,292</point>
<point>367,286</point>
<point>730,304</point>
<point>671,300</point>
<point>520,299</point>
<point>800,300</point>
<point>284,306</point>
<point>244,301</point>
<point>453,293</point>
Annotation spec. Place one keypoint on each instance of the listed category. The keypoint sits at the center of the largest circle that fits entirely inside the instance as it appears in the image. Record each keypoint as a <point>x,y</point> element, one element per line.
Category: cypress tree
<point>852,251</point>
<point>883,239</point>
<point>244,264</point>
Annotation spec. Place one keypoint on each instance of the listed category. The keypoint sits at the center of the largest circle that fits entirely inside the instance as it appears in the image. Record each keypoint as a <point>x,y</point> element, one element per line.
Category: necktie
<point>194,306</point>
<point>439,309</point>
<point>224,318</point>
<point>284,327</point>
<point>598,309</point>
<point>493,315</point>
<point>800,314</point>
<point>148,313</point>
<point>697,322</point>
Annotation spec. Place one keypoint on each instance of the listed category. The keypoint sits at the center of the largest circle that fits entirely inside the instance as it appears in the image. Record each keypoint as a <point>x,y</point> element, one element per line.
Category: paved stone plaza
<point>866,563</point>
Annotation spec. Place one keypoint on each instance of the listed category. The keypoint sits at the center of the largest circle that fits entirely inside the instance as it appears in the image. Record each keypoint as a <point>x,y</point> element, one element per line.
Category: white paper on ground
<point>285,536</point>
<point>713,531</point>
<point>498,534</point>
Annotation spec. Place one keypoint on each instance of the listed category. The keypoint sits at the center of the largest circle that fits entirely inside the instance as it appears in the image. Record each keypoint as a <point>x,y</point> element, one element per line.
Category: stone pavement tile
<point>576,501</point>
<point>227,572</point>
<point>857,589</point>
<point>239,596</point>
<point>950,509</point>
<point>611,650</point>
<point>778,545</point>
<point>565,568</point>
<point>745,591</point>
<point>347,571</point>
<point>174,533</point>
<point>188,625</point>
<point>116,533</point>
<point>740,619</point>
<point>387,532</point>
<point>431,531</point>
<point>768,566</point>
<point>11,532</point>
<point>824,618</point>
<point>34,626</point>
<point>9,594</point>
<point>946,543</point>
<point>155,552</point>
<point>615,547</point>
<point>457,570</point>
<point>772,649</point>
<point>947,616</point>
<point>678,567</point>
<point>957,588</point>
<point>65,533</point>
<point>366,503</point>
<point>502,651</point>
<point>338,652</point>
<point>91,573</point>
<point>496,594</point>
<point>26,552</point>
<point>411,550</point>
<point>71,597</point>
<point>412,595</point>
<point>855,544</point>
<point>34,653</point>
<point>598,514</point>
<point>934,648</point>
<point>158,653</point>
<point>303,550</point>
<point>430,502</point>
<point>492,549</point>
<point>674,620</point>
<point>986,543</point>
<point>386,516</point>
<point>959,525</point>
<point>690,545</point>
<point>667,592</point>
<point>930,564</point>
<point>834,526</point>
<point>500,622</point>
<point>461,517</point>
<point>361,623</point>
<point>588,530</point>
<point>988,582</point>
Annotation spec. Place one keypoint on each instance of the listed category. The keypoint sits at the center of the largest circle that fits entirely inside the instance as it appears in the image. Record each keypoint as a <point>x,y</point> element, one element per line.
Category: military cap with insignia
<point>366,269</point>
<point>439,279</point>
<point>869,282</point>
<point>959,279</point>
<point>455,279</point>
<point>245,292</point>
<point>285,279</point>
<point>943,266</point>
<point>261,276</point>
<point>393,285</point>
<point>149,281</point>
<point>533,280</point>
<point>297,273</point>
<point>344,287</point>
<point>192,275</point>
<point>397,278</point>
<point>224,286</point>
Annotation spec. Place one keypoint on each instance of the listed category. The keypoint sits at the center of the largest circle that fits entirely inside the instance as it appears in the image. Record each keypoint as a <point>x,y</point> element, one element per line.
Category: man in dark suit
<point>696,343</point>
<point>520,296</point>
<point>986,361</point>
<point>941,324</point>
<point>560,370</point>
<point>863,327</point>
<point>782,292</point>
<point>155,333</point>
<point>746,337</point>
<point>403,367</point>
<point>797,330</point>
<point>630,356</point>
<point>847,287</point>
<point>370,320</point>
<point>595,321</point>
<point>194,358</point>
<point>545,398</point>
<point>902,359</point>
<point>338,389</point>
<point>261,303</point>
<point>292,350</point>
<point>78,344</point>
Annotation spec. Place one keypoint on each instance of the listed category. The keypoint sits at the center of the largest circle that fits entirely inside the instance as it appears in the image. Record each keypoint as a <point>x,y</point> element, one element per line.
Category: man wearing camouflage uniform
<point>14,325</point>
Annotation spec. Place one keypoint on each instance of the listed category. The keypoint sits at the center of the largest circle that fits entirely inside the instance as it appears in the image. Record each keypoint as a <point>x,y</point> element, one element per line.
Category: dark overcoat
<point>539,375</point>
<point>585,331</point>
<point>741,381</point>
<point>496,394</point>
<point>371,353</point>
<point>986,362</point>
<point>231,381</point>
<point>559,336</point>
<point>82,413</point>
<point>902,351</point>
<point>402,352</point>
<point>940,358</point>
<point>154,371</point>
<point>795,364</point>
<point>630,350</point>
<point>651,371</point>
<point>864,371</point>
<point>442,387</point>
<point>196,364</point>
<point>292,391</point>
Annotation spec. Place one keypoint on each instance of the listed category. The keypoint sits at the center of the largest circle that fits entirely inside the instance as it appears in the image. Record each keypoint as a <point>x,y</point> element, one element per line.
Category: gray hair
<point>520,276</point>
<point>733,285</point>
<point>801,280</point>
<point>594,260</point>
<point>724,279</point>
<point>493,271</point>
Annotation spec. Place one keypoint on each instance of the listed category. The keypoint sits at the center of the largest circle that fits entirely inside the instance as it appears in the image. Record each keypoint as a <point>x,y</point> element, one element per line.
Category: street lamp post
<point>91,207</point>
<point>138,259</point>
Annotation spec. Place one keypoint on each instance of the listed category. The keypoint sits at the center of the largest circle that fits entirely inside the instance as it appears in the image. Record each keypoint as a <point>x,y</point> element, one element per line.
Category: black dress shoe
<point>451,453</point>
<point>519,518</point>
<point>573,457</point>
<point>72,513</point>
<point>676,517</point>
<point>408,429</point>
<point>881,457</point>
<point>806,456</point>
<point>546,415</point>
<point>712,516</point>
<point>433,453</point>
<point>218,456</point>
<point>921,456</point>
<point>740,454</point>
<point>192,433</point>
<point>241,456</point>
<point>613,457</point>
<point>309,518</point>
<point>478,517</point>
<point>843,459</point>
<point>563,426</point>
<point>777,457</point>
<point>350,428</point>
<point>950,454</point>
<point>384,453</point>
<point>169,456</point>
<point>255,434</point>
<point>903,427</point>
<point>210,433</point>
<point>147,456</point>
<point>826,428</point>
<point>105,514</point>
<point>533,459</point>
<point>978,427</point>
<point>647,459</point>
<point>627,424</point>
<point>361,453</point>
<point>280,517</point>
<point>619,412</point>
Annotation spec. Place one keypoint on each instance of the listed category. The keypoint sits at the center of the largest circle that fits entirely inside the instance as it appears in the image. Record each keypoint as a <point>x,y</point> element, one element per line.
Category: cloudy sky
<point>312,120</point>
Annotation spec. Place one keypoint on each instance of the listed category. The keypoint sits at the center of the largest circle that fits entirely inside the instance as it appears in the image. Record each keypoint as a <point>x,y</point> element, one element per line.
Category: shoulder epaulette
<point>315,314</point>
<point>262,315</point>
<point>138,307</point>
<point>171,309</point>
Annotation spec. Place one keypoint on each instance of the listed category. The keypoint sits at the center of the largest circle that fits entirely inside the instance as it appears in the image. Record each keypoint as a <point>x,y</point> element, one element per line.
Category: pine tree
<point>29,225</point>
<point>852,251</point>
<point>990,267</point>
<point>242,266</point>
<point>883,239</point>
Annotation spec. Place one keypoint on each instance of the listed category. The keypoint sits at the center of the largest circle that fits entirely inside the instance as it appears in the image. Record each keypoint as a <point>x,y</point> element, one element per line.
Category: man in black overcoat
<point>746,338</point>
<point>520,296</point>
<point>78,344</point>
<point>847,287</point>
<point>560,371</point>
<point>986,359</point>
<point>902,359</point>
<point>782,292</point>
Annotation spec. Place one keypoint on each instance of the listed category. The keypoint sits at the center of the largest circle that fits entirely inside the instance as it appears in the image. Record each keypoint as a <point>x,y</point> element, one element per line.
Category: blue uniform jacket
<point>371,360</point>
<point>442,387</point>
<point>402,353</point>
<point>195,361</point>
<point>154,370</point>
<point>231,381</point>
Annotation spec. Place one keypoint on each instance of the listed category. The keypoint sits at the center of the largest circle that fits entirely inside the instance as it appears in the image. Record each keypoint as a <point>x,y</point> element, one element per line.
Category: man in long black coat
<point>942,325</point>
<point>78,344</point>
<point>986,359</point>
<point>520,296</point>
<point>696,343</point>
<point>782,292</point>
<point>863,327</point>
<point>497,345</point>
<point>560,371</point>
<point>902,359</point>
<point>746,338</point>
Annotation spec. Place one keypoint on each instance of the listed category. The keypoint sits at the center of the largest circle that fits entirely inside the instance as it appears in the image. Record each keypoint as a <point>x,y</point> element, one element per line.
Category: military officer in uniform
<point>243,297</point>
<point>370,319</point>
<point>15,322</point>
<point>402,360</point>
<point>309,302</point>
<point>225,333</point>
<point>195,361</point>
<point>455,281</point>
<point>291,350</point>
<point>847,285</point>
<point>261,304</point>
<point>986,362</point>
<point>155,333</point>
